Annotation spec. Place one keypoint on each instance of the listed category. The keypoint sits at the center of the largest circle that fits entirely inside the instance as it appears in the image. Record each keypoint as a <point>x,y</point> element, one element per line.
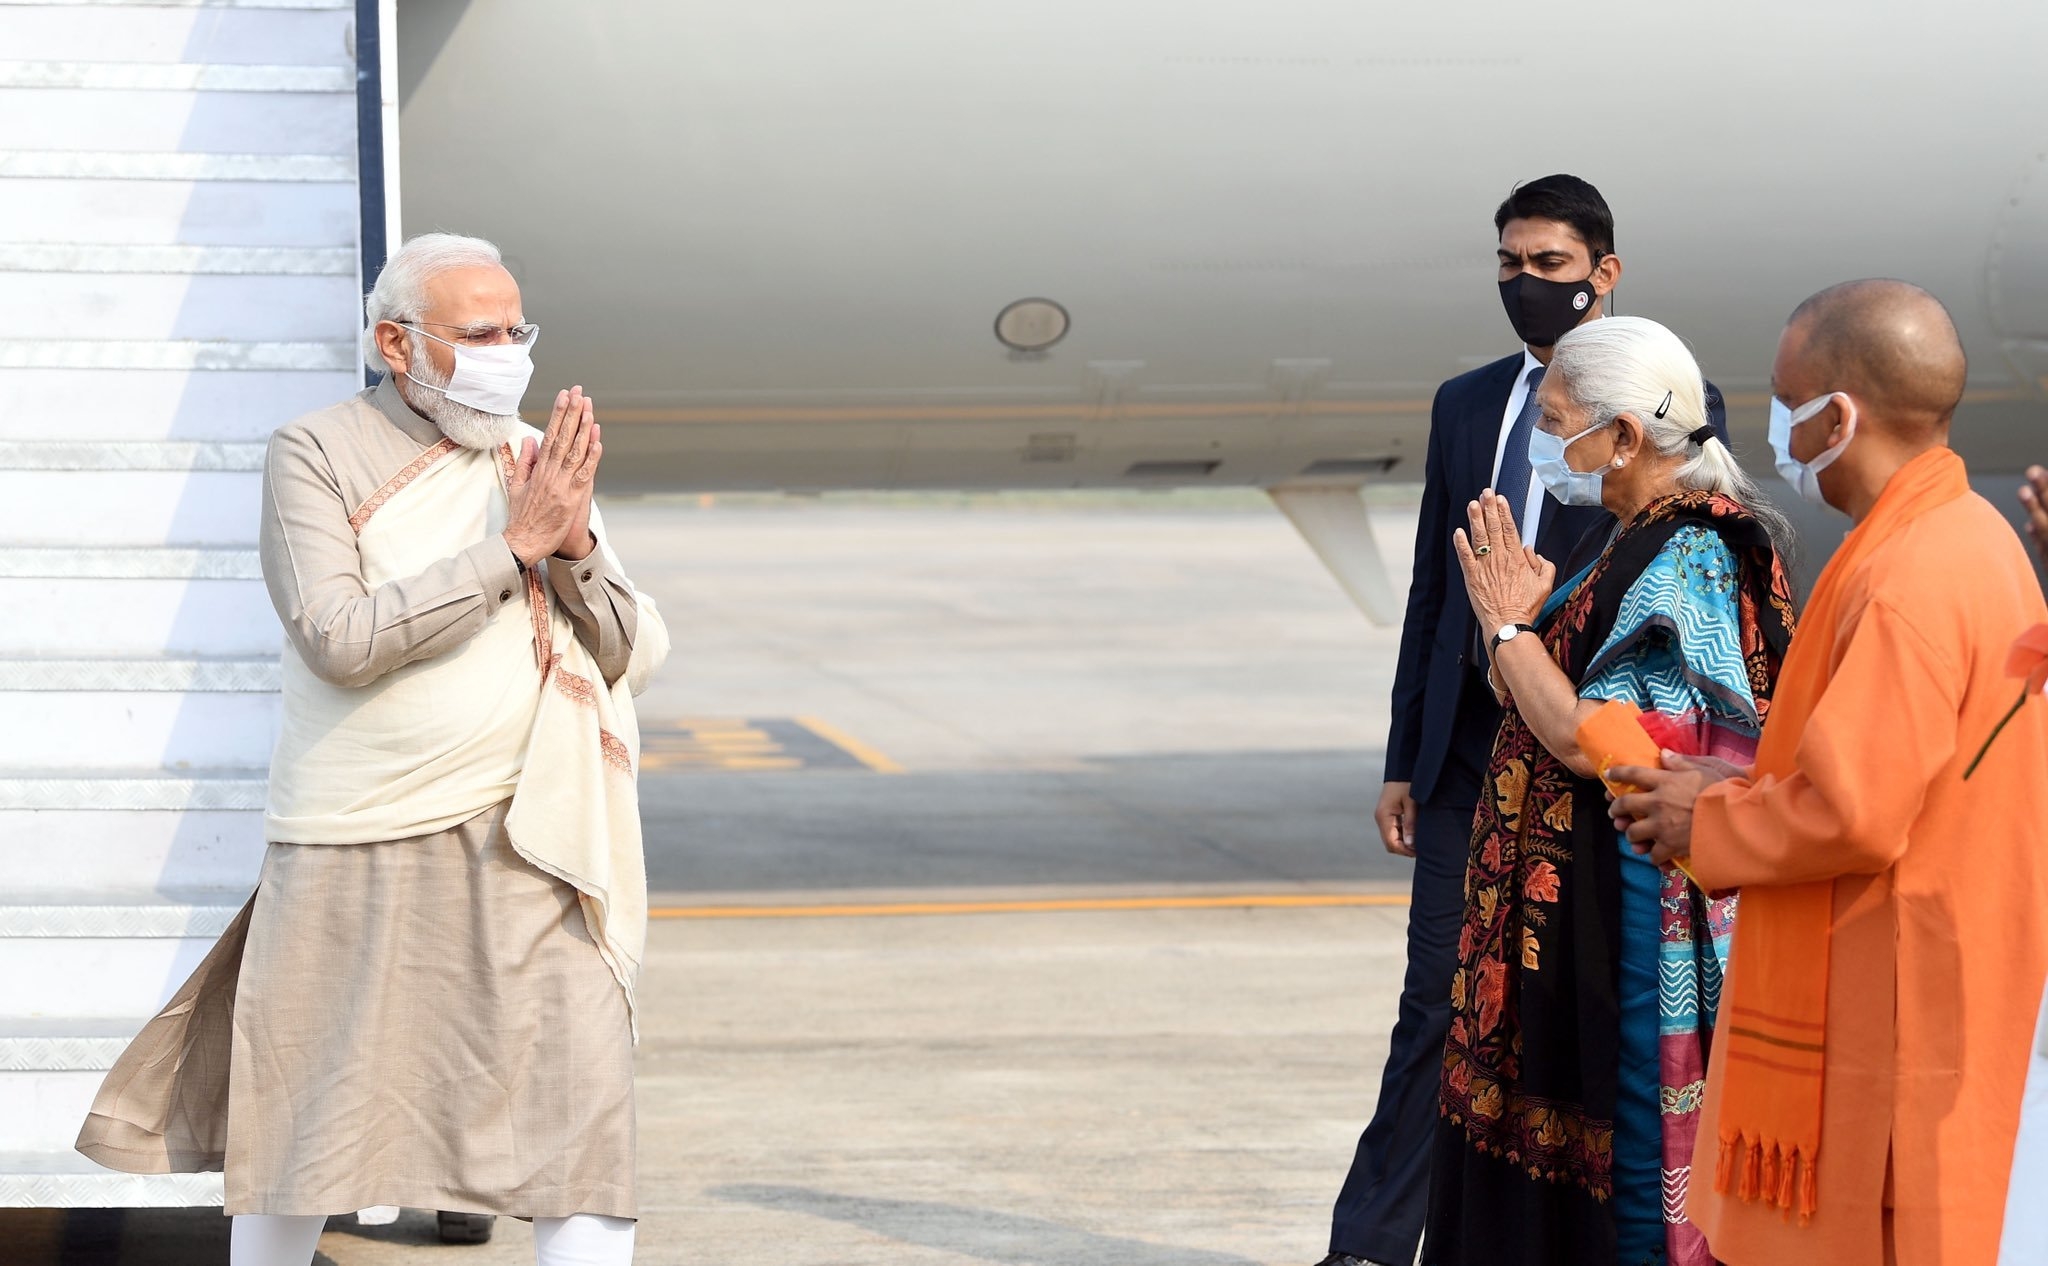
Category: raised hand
<point>578,542</point>
<point>1508,582</point>
<point>551,484</point>
<point>2034,496</point>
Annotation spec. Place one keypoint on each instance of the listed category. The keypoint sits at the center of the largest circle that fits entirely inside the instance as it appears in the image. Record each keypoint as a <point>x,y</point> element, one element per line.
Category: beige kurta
<point>408,1012</point>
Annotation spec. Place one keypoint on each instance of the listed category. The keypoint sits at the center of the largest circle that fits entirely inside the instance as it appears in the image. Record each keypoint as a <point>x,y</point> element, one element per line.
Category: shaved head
<point>1888,344</point>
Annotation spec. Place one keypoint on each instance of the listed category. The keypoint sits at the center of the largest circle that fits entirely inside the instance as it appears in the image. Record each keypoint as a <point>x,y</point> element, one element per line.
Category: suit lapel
<point>1484,411</point>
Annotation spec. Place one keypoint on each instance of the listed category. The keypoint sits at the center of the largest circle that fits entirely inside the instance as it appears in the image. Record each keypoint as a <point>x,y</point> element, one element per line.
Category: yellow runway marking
<point>899,909</point>
<point>755,745</point>
<point>850,745</point>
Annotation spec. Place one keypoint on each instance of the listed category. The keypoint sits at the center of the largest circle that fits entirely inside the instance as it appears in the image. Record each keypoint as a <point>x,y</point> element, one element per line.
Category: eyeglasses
<point>484,335</point>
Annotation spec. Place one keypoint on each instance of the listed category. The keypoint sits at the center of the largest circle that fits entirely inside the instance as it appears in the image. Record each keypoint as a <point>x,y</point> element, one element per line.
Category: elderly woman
<point>1587,981</point>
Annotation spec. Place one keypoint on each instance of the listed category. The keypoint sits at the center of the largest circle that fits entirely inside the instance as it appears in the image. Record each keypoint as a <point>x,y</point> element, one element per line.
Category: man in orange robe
<point>1865,1081</point>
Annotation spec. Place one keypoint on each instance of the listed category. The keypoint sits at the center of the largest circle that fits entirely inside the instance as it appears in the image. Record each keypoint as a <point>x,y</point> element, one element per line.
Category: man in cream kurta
<point>428,1001</point>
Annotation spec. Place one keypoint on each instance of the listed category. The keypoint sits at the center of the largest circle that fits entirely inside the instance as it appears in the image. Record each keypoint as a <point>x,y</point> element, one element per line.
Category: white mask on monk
<point>1805,476</point>
<point>462,422</point>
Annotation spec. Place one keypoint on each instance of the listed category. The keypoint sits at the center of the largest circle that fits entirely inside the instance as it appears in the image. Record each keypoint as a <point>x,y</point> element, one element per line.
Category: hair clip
<point>1664,408</point>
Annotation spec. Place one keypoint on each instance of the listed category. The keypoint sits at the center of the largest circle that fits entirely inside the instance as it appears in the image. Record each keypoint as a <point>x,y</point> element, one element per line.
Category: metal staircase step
<point>117,508</point>
<point>128,616</point>
<point>246,675</point>
<point>185,354</point>
<point>177,213</point>
<point>137,307</point>
<point>202,915</point>
<point>181,4</point>
<point>38,164</point>
<point>102,121</point>
<point>170,455</point>
<point>49,854</point>
<point>183,791</point>
<point>64,1179</point>
<point>241,406</point>
<point>93,732</point>
<point>176,77</point>
<point>50,1045</point>
<point>121,563</point>
<point>208,32</point>
<point>178,260</point>
<point>104,955</point>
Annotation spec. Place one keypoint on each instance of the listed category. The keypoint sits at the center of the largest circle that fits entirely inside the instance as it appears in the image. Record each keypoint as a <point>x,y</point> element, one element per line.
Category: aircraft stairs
<point>179,255</point>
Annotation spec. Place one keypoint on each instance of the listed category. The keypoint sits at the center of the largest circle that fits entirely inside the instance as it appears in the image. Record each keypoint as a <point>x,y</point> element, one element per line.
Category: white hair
<point>1633,365</point>
<point>401,290</point>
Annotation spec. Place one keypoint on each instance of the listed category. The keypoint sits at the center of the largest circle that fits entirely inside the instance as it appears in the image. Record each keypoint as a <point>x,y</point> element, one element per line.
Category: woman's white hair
<point>1633,365</point>
<point>401,290</point>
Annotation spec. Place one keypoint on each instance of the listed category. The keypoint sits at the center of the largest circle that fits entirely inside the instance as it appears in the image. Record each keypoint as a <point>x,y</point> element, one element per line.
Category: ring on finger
<point>1482,551</point>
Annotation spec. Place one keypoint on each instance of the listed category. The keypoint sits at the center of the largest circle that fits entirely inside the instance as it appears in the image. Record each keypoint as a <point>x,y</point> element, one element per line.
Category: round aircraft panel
<point>1031,325</point>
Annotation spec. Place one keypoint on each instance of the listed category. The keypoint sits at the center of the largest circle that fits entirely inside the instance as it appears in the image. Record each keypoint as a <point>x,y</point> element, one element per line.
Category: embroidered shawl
<point>1528,1086</point>
<point>520,712</point>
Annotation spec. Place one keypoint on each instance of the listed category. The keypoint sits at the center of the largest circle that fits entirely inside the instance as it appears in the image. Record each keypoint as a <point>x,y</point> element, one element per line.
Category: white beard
<point>471,428</point>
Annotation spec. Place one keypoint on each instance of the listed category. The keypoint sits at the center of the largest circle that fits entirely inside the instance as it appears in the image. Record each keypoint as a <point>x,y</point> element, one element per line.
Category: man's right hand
<point>2034,496</point>
<point>551,482</point>
<point>1396,819</point>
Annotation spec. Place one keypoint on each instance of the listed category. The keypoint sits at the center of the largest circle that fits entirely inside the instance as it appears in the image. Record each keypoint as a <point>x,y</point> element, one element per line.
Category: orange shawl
<point>1774,1021</point>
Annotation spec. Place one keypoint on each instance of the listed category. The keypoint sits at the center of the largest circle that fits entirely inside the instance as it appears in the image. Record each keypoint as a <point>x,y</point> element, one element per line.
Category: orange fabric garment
<point>1772,1024</point>
<point>1932,892</point>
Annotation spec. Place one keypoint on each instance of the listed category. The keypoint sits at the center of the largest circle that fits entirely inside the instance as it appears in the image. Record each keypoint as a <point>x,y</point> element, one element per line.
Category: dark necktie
<point>1513,483</point>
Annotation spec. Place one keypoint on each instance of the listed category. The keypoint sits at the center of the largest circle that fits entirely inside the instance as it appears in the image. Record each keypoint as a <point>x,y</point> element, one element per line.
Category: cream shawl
<point>521,711</point>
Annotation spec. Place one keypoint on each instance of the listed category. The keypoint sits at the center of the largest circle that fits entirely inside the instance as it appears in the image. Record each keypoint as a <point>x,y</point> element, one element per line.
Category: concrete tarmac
<point>981,702</point>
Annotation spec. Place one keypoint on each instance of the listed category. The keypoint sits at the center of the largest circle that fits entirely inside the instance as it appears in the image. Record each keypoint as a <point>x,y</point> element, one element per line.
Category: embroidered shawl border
<point>396,484</point>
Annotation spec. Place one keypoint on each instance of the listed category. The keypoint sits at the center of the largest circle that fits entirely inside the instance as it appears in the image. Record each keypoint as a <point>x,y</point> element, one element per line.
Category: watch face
<point>1508,633</point>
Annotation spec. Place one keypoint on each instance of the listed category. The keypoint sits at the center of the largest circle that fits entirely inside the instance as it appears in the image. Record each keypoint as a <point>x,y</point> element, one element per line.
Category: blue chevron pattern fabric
<point>1677,644</point>
<point>1676,648</point>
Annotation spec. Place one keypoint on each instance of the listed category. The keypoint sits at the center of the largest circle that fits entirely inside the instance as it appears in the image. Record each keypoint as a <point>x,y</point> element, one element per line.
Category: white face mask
<point>1571,487</point>
<point>1805,476</point>
<point>492,379</point>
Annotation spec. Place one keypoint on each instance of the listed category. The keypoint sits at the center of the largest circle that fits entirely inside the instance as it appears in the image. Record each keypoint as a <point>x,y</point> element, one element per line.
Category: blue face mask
<point>1805,476</point>
<point>1571,487</point>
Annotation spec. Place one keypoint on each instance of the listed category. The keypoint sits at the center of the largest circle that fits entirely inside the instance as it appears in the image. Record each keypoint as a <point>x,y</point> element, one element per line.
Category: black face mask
<point>1544,311</point>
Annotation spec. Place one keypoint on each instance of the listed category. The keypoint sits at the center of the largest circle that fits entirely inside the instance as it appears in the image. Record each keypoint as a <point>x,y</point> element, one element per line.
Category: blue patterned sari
<point>1676,649</point>
<point>1587,979</point>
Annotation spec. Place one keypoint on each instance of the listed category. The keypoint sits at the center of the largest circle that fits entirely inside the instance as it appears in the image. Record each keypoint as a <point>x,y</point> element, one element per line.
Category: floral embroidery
<point>573,685</point>
<point>582,690</point>
<point>1543,1138</point>
<point>615,753</point>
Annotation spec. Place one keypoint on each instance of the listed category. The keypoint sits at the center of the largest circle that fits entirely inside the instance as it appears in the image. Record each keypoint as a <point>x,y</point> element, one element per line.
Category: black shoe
<point>1345,1259</point>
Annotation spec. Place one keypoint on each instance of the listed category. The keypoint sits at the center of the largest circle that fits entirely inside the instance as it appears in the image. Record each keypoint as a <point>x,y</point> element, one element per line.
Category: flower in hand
<point>1508,582</point>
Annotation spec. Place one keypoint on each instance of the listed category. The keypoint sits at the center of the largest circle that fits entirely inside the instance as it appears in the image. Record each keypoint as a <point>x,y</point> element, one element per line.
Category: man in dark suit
<point>1557,266</point>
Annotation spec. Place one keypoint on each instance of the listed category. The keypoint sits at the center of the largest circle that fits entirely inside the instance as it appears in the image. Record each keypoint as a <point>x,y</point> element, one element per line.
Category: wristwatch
<point>1508,633</point>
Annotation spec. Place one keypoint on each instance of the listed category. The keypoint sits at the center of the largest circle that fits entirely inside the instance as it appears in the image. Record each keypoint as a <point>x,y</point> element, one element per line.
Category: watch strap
<point>1493,645</point>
